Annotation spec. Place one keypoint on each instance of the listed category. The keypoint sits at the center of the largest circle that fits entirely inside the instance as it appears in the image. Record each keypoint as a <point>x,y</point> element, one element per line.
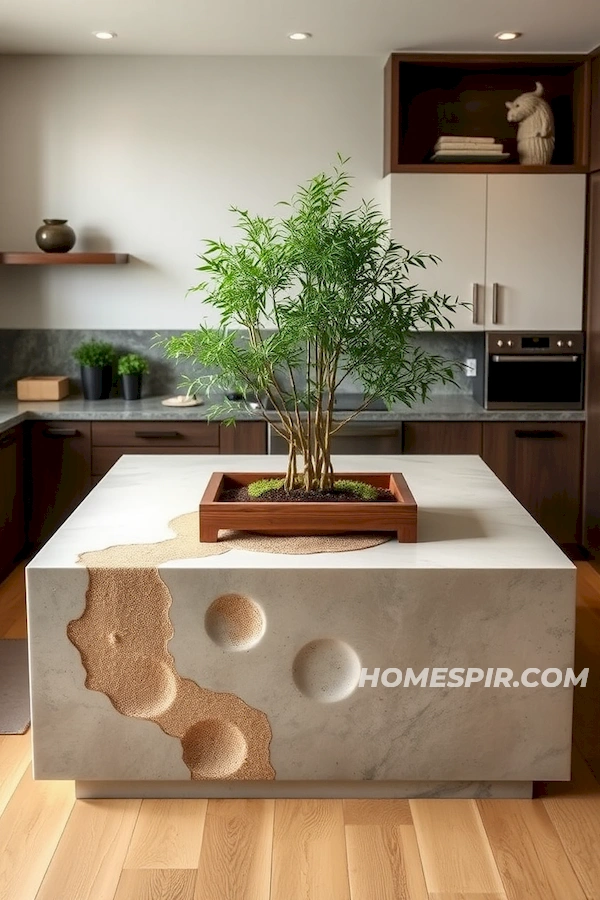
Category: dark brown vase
<point>55,236</point>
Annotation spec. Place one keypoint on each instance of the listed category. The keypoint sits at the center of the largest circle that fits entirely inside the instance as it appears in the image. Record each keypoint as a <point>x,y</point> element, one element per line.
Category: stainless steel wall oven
<point>532,371</point>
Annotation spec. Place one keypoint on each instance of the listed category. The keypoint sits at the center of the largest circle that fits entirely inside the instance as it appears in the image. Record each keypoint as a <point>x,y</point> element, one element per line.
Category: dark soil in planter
<point>279,495</point>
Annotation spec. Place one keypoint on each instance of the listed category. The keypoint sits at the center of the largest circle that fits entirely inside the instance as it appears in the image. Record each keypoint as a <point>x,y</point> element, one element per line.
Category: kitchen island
<point>157,671</point>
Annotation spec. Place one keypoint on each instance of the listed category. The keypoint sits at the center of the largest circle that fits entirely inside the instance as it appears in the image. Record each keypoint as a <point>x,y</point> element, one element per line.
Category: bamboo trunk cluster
<point>311,440</point>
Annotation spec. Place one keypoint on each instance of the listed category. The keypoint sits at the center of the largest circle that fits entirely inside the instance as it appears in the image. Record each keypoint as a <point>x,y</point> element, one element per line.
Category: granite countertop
<point>441,408</point>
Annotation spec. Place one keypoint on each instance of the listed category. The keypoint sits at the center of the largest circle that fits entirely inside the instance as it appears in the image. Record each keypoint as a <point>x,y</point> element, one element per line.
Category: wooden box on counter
<point>43,387</point>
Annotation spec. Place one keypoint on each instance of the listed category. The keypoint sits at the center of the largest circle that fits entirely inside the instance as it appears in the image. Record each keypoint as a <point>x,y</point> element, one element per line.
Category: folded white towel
<point>454,138</point>
<point>469,145</point>
<point>466,153</point>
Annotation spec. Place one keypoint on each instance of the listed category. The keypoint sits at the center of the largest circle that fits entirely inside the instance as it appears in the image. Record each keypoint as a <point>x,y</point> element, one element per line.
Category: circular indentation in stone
<point>145,689</point>
<point>234,622</point>
<point>326,670</point>
<point>214,748</point>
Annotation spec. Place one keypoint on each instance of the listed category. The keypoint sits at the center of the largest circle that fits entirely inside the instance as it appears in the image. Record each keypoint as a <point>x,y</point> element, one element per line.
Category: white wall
<point>144,155</point>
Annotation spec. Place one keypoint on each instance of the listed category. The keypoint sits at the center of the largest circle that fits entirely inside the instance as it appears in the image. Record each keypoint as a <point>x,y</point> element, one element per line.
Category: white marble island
<point>156,671</point>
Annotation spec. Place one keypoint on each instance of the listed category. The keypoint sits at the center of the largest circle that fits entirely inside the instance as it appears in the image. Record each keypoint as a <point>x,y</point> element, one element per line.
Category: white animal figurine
<point>535,135</point>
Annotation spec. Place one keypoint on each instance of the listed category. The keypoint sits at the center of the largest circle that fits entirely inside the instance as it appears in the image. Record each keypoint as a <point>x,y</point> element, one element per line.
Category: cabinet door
<point>244,437</point>
<point>442,437</point>
<point>595,118</point>
<point>540,463</point>
<point>60,474</point>
<point>12,519</point>
<point>592,400</point>
<point>535,252</point>
<point>444,215</point>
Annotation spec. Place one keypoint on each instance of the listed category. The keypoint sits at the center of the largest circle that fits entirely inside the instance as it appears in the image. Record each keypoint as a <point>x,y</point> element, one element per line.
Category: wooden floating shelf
<point>63,259</point>
<point>489,169</point>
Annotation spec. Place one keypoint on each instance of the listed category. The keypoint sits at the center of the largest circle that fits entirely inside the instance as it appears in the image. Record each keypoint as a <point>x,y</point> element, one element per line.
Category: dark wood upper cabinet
<point>244,437</point>
<point>12,512</point>
<point>591,502</point>
<point>60,454</point>
<point>595,118</point>
<point>540,463</point>
<point>442,437</point>
<point>428,95</point>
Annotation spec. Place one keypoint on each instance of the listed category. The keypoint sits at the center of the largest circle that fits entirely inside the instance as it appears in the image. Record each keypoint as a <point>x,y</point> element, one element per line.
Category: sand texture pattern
<point>186,545</point>
<point>125,628</point>
<point>122,637</point>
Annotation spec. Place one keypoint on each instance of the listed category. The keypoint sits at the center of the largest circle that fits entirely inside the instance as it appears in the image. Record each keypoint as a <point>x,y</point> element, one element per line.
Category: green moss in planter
<point>362,490</point>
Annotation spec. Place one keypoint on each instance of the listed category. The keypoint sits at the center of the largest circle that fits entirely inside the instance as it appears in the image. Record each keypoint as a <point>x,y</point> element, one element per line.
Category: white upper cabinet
<point>535,252</point>
<point>444,215</point>
<point>514,244</point>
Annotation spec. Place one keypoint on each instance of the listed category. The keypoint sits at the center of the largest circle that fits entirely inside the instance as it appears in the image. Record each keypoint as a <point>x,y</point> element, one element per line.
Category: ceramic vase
<point>55,236</point>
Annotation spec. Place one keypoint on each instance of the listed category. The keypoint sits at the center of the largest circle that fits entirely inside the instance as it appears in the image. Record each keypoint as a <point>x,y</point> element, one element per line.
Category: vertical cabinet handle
<point>495,292</point>
<point>475,303</point>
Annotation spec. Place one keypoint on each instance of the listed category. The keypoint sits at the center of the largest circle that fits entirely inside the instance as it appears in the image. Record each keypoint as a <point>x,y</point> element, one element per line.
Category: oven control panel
<point>528,343</point>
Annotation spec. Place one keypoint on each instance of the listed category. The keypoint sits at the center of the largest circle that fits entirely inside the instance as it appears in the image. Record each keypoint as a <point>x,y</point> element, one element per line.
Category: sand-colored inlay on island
<point>123,633</point>
<point>186,545</point>
<point>122,637</point>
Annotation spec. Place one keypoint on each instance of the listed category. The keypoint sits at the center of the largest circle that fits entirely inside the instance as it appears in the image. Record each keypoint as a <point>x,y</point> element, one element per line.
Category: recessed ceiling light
<point>299,35</point>
<point>105,35</point>
<point>508,35</point>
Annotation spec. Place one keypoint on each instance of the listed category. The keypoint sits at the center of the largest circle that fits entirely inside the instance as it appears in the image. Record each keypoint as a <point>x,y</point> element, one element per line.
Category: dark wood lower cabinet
<point>540,463</point>
<point>60,466</point>
<point>12,507</point>
<point>442,437</point>
<point>244,437</point>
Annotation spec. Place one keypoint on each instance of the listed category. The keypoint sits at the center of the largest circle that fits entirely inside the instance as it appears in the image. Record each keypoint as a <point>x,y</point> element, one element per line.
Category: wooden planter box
<point>307,518</point>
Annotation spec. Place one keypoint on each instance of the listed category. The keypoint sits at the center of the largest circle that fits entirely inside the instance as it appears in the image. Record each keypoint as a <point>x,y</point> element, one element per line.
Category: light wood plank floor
<point>53,847</point>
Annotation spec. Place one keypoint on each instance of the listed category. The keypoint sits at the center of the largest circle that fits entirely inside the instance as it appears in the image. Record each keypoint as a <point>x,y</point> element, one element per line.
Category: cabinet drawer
<point>104,458</point>
<point>442,437</point>
<point>155,434</point>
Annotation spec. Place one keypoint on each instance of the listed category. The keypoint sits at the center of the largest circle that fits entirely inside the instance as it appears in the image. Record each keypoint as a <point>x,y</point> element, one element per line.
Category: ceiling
<point>260,27</point>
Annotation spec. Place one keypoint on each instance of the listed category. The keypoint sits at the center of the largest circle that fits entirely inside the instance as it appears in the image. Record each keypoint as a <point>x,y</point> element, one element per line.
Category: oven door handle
<point>535,359</point>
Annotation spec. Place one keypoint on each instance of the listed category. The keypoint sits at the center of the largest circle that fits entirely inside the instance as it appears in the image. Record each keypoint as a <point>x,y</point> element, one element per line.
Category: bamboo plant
<point>319,297</point>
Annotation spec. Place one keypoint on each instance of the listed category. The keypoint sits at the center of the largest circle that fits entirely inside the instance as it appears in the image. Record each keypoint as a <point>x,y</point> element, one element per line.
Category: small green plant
<point>94,354</point>
<point>132,364</point>
<point>360,488</point>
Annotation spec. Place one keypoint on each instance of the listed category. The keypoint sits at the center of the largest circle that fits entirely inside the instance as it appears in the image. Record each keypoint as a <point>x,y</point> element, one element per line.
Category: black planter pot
<point>96,382</point>
<point>131,387</point>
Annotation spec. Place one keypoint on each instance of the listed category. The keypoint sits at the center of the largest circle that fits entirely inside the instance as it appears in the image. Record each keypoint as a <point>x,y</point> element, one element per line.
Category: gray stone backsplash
<point>49,352</point>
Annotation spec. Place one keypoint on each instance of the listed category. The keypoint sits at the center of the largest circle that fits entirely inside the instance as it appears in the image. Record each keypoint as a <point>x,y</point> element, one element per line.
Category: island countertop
<point>467,518</point>
<point>440,408</point>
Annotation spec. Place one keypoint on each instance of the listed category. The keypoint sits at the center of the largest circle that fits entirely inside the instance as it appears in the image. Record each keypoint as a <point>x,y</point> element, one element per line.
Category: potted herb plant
<point>131,368</point>
<point>96,360</point>
<point>306,301</point>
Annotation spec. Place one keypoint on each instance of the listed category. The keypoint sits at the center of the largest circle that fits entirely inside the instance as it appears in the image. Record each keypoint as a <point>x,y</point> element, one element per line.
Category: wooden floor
<point>55,848</point>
